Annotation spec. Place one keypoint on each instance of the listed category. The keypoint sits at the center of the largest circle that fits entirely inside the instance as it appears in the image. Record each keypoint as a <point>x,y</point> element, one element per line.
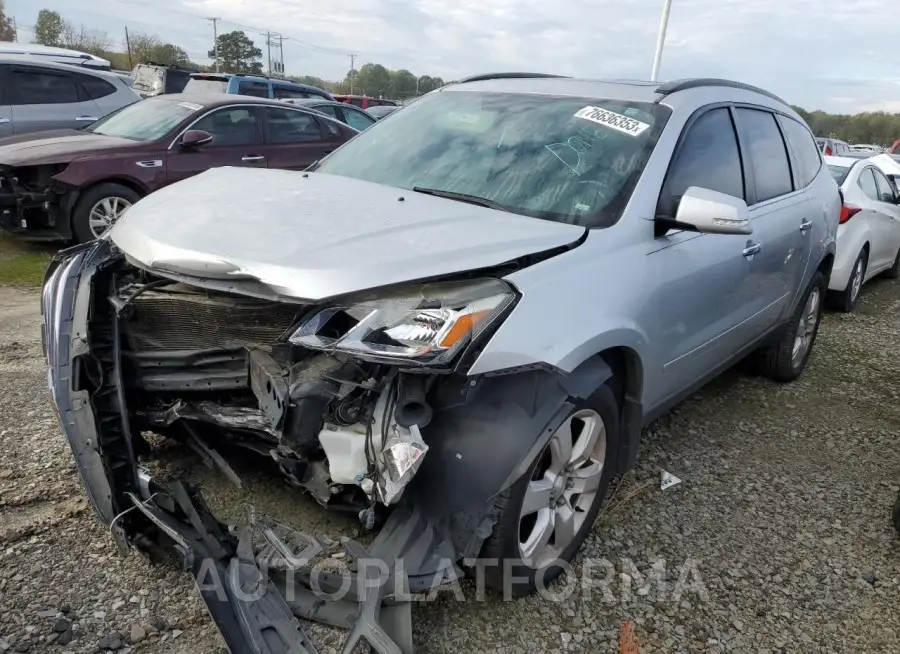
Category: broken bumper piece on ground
<point>110,381</point>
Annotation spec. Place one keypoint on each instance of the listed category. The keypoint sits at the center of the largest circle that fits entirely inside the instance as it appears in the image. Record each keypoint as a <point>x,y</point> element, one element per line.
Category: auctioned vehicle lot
<point>783,508</point>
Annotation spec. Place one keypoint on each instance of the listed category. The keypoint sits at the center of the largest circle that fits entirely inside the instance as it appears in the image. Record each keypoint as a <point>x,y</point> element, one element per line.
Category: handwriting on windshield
<point>571,151</point>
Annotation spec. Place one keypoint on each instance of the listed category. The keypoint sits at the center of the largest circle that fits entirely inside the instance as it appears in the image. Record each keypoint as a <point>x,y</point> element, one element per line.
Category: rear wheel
<point>99,209</point>
<point>545,516</point>
<point>846,300</point>
<point>786,359</point>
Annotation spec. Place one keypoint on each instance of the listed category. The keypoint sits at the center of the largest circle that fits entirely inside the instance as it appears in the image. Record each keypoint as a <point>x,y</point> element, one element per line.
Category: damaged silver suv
<point>456,325</point>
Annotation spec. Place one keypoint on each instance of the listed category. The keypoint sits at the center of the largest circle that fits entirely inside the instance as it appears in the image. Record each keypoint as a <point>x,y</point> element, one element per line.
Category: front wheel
<point>545,516</point>
<point>99,209</point>
<point>786,359</point>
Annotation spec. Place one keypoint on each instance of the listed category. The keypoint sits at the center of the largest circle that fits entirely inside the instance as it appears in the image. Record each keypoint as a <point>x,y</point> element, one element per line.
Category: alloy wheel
<point>105,213</point>
<point>858,272</point>
<point>806,327</point>
<point>562,489</point>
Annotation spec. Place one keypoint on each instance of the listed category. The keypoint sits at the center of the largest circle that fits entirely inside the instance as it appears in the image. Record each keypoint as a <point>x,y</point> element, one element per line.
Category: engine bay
<point>212,368</point>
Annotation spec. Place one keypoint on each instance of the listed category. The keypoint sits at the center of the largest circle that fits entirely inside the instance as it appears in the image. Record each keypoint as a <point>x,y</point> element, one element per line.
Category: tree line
<point>875,127</point>
<point>237,53</point>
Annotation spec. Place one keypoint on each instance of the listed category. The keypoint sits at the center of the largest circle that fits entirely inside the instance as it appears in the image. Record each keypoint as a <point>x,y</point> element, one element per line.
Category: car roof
<point>689,92</point>
<point>28,60</point>
<point>28,49</point>
<point>211,100</point>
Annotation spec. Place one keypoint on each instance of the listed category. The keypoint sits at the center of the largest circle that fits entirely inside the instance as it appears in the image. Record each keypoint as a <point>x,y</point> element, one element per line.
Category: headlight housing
<point>421,325</point>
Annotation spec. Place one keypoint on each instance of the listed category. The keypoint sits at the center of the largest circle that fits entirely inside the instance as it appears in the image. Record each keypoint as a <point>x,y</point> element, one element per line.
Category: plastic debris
<point>667,480</point>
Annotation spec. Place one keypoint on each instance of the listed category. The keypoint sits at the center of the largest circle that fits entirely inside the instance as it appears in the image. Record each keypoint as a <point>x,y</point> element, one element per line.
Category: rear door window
<point>289,126</point>
<point>256,89</point>
<point>33,85</point>
<point>803,147</point>
<point>284,91</point>
<point>768,156</point>
<point>867,184</point>
<point>206,85</point>
<point>357,119</point>
<point>708,158</point>
<point>885,191</point>
<point>94,87</point>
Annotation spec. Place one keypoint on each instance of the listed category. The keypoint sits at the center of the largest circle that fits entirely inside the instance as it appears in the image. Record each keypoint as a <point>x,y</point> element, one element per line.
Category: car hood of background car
<point>313,236</point>
<point>56,146</point>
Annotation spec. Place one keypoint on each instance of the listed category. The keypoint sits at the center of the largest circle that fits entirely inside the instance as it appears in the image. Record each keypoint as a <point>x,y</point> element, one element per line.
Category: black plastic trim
<point>489,76</point>
<point>684,84</point>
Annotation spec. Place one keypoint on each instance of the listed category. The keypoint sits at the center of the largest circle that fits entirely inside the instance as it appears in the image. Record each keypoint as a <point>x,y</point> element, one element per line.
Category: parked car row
<point>74,184</point>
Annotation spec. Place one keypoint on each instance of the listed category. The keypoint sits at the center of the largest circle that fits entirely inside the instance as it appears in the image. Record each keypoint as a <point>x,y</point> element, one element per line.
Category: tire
<point>81,217</point>
<point>847,299</point>
<point>777,362</point>
<point>894,271</point>
<point>504,543</point>
<point>896,514</point>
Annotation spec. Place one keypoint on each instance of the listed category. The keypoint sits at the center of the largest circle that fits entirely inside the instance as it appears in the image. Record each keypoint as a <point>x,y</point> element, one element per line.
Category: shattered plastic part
<point>402,455</point>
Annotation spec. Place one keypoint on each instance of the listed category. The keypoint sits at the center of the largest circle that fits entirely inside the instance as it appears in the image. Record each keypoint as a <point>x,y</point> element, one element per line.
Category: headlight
<point>427,324</point>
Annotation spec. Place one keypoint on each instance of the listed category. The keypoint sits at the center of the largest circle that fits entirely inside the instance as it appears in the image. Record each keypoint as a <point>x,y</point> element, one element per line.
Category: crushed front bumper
<point>255,610</point>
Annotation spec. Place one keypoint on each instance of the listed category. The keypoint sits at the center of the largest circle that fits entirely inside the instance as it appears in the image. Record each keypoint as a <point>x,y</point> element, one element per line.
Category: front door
<point>237,141</point>
<point>296,139</point>
<point>703,300</point>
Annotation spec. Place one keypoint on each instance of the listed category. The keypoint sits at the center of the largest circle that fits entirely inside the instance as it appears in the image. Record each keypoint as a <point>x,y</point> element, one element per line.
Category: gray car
<point>42,95</point>
<point>455,326</point>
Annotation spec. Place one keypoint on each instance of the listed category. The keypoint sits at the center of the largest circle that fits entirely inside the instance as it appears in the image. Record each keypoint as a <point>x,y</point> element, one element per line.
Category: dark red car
<point>74,184</point>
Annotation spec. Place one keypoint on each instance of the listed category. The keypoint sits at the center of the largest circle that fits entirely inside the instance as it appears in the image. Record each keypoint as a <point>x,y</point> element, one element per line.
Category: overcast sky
<point>795,48</point>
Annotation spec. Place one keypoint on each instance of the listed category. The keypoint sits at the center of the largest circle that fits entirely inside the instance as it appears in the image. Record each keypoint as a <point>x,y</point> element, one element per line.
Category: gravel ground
<point>777,539</point>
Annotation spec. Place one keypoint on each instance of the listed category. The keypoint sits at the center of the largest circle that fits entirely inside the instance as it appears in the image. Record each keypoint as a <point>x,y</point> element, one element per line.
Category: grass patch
<point>23,263</point>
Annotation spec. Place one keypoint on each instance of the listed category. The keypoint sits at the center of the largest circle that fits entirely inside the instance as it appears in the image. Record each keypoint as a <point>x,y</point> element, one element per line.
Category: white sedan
<point>868,240</point>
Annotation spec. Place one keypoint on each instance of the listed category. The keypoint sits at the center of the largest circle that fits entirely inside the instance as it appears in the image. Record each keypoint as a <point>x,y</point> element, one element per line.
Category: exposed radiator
<point>182,317</point>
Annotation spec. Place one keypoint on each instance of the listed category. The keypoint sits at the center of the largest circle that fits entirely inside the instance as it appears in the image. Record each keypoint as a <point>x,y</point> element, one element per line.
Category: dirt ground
<point>777,539</point>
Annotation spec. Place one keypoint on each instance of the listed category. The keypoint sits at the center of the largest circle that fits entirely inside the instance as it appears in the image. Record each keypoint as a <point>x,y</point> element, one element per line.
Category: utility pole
<point>215,41</point>
<point>269,50</point>
<point>281,54</point>
<point>352,70</point>
<point>128,47</point>
<point>663,25</point>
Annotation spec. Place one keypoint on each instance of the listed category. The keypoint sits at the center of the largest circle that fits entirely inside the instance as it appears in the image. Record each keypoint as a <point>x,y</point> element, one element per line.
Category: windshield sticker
<point>612,120</point>
<point>191,106</point>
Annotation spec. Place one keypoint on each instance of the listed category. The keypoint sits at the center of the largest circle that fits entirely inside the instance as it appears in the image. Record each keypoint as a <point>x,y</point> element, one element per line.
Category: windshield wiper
<point>461,197</point>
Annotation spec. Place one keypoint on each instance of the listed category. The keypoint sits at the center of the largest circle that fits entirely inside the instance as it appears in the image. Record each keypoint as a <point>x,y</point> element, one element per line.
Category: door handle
<point>3,121</point>
<point>805,226</point>
<point>87,118</point>
<point>750,250</point>
<point>253,157</point>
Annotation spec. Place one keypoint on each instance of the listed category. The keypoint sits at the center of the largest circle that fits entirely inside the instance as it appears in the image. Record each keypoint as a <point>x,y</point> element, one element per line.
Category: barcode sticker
<point>612,120</point>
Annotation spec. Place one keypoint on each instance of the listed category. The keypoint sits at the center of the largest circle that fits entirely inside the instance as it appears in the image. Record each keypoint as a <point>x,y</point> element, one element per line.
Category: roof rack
<point>685,84</point>
<point>487,76</point>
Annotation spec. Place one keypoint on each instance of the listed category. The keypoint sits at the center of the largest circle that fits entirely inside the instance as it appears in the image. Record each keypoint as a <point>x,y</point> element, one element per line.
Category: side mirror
<point>711,212</point>
<point>195,138</point>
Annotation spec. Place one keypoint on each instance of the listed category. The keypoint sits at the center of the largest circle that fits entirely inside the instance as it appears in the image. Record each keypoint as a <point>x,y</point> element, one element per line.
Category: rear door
<point>237,141</point>
<point>47,98</point>
<point>888,226</point>
<point>296,139</point>
<point>6,125</point>
<point>779,212</point>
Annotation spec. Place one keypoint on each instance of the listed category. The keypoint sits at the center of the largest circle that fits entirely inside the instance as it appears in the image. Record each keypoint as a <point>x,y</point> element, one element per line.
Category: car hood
<point>56,146</point>
<point>313,236</point>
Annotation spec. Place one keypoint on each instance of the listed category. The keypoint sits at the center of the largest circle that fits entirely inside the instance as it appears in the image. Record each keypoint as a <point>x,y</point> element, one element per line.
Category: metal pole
<point>663,24</point>
<point>352,71</point>
<point>215,42</point>
<point>269,50</point>
<point>128,45</point>
<point>281,54</point>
